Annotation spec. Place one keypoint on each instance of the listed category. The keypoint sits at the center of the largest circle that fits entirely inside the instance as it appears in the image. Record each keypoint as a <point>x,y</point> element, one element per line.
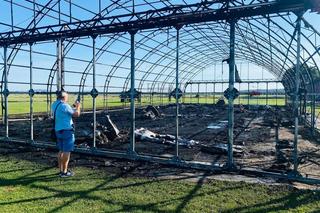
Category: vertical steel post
<point>5,72</point>
<point>59,11</point>
<point>161,95</point>
<point>248,97</point>
<point>62,66</point>
<point>305,107</point>
<point>231,98</point>
<point>132,98</point>
<point>214,93</point>
<point>300,106</point>
<point>94,91</point>
<point>11,8</point>
<point>31,93</point>
<point>277,95</point>
<point>285,99</point>
<point>206,93</point>
<point>258,101</point>
<point>214,85</point>
<point>239,101</point>
<point>59,64</point>
<point>296,98</point>
<point>177,95</point>
<point>190,95</point>
<point>198,93</point>
<point>313,114</point>
<point>34,13</point>
<point>157,95</point>
<point>70,11</point>
<point>277,134</point>
<point>267,98</point>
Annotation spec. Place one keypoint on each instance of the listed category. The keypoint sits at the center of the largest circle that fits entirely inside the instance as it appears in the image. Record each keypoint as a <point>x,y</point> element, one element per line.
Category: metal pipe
<point>59,11</point>
<point>206,93</point>
<point>277,96</point>
<point>94,89</point>
<point>277,134</point>
<point>258,102</point>
<point>191,94</point>
<point>198,93</point>
<point>70,11</point>
<point>248,97</point>
<point>305,107</point>
<point>31,94</point>
<point>313,114</point>
<point>132,98</point>
<point>230,164</point>
<point>62,66</point>
<point>214,85</point>
<point>214,93</point>
<point>267,98</point>
<point>239,98</point>
<point>5,72</point>
<point>177,87</point>
<point>296,98</point>
<point>11,9</point>
<point>59,64</point>
<point>34,13</point>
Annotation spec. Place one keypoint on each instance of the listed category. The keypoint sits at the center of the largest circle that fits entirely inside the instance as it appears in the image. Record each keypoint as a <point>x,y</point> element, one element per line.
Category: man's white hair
<point>62,94</point>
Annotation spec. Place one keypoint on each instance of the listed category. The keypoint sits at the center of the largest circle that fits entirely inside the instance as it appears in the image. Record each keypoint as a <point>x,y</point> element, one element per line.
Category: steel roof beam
<point>151,19</point>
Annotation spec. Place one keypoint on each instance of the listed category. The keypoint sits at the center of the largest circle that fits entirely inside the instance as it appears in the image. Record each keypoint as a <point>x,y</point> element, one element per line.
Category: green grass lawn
<point>280,101</point>
<point>32,187</point>
<point>19,104</point>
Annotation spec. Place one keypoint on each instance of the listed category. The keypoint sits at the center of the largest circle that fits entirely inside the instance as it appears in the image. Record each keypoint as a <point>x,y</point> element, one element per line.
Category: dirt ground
<point>255,140</point>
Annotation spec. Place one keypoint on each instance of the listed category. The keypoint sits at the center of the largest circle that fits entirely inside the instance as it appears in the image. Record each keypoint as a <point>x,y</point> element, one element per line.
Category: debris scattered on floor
<point>151,112</point>
<point>240,109</point>
<point>106,131</point>
<point>284,144</point>
<point>254,130</point>
<point>218,125</point>
<point>112,130</point>
<point>143,134</point>
<point>222,148</point>
<point>221,102</point>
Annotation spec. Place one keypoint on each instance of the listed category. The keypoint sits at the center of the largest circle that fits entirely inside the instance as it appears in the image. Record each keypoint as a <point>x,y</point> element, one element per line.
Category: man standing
<point>64,129</point>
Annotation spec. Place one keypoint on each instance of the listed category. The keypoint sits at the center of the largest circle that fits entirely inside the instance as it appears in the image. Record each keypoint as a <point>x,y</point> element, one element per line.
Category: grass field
<point>32,187</point>
<point>19,104</point>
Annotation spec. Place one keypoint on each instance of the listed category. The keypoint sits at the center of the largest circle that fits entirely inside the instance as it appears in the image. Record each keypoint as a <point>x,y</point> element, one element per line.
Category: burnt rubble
<point>143,134</point>
<point>202,133</point>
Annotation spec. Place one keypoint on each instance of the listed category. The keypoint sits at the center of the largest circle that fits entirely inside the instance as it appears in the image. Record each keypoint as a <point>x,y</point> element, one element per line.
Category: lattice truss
<point>268,41</point>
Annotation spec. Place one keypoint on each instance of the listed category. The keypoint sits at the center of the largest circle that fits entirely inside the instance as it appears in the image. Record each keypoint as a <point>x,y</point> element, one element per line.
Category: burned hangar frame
<point>180,64</point>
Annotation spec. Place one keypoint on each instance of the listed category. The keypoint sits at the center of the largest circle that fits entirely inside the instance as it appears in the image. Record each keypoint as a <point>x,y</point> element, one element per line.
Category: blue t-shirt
<point>63,115</point>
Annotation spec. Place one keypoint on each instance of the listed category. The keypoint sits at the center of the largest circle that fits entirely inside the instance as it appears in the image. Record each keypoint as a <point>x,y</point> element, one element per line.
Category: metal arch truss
<point>205,11</point>
<point>198,35</point>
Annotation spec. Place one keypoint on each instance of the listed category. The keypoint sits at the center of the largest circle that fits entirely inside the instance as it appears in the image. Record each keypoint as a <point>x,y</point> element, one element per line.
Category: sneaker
<point>67,174</point>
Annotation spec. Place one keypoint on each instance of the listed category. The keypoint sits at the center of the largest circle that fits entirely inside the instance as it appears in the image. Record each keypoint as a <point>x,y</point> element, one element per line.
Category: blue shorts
<point>65,140</point>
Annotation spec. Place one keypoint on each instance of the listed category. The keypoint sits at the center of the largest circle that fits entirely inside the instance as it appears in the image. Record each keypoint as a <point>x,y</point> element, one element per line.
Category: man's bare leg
<point>65,161</point>
<point>59,161</point>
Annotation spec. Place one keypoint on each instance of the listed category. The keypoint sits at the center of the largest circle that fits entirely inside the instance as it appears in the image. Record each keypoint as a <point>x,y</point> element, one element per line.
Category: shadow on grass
<point>292,200</point>
<point>31,180</point>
